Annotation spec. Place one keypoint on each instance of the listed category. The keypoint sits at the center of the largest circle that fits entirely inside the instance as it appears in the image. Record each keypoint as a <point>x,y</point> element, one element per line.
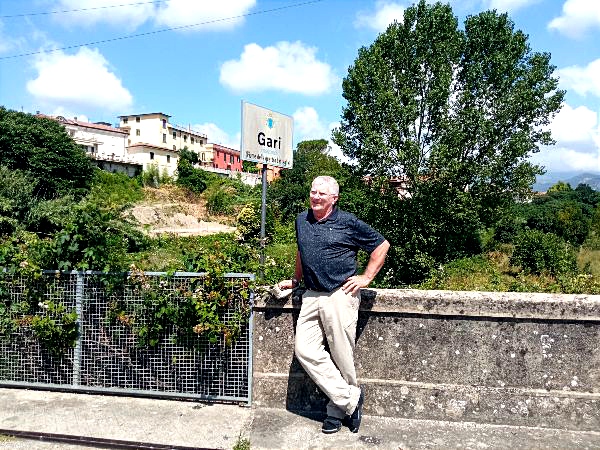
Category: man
<point>328,241</point>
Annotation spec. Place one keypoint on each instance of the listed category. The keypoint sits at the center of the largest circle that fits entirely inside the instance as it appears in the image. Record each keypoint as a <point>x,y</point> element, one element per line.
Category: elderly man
<point>328,241</point>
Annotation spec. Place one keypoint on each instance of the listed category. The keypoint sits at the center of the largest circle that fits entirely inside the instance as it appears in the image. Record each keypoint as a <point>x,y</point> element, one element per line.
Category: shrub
<point>152,176</point>
<point>219,199</point>
<point>193,179</point>
<point>538,252</point>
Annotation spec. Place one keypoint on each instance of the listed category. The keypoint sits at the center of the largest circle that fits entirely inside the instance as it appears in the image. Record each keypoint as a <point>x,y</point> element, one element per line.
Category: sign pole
<point>263,221</point>
<point>266,139</point>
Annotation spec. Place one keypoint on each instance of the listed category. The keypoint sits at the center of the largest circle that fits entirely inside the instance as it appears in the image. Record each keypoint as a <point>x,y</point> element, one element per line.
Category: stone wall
<point>503,358</point>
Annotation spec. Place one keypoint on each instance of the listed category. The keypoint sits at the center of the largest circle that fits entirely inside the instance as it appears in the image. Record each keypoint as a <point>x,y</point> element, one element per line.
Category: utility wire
<point>149,33</point>
<point>12,16</point>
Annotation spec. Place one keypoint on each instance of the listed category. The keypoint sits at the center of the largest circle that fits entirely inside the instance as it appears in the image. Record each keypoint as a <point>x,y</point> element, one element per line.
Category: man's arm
<point>376,260</point>
<point>289,284</point>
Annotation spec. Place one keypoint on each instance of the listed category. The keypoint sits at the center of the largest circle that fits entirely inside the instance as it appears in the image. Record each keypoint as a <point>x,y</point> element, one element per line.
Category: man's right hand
<point>286,284</point>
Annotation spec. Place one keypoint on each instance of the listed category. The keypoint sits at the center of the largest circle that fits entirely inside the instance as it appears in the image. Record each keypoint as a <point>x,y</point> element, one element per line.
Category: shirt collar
<point>331,217</point>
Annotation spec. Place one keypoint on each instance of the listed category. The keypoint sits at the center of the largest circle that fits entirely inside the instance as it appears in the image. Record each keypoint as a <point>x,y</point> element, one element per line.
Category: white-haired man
<point>328,241</point>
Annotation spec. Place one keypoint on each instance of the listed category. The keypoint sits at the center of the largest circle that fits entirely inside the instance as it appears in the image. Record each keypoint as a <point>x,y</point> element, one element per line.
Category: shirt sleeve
<point>365,237</point>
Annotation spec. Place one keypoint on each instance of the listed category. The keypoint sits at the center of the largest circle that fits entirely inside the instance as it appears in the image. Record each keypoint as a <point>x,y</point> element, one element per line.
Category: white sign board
<point>266,136</point>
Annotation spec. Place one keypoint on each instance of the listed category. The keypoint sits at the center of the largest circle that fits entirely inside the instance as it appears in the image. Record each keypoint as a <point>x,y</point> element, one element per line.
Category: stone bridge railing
<point>504,358</point>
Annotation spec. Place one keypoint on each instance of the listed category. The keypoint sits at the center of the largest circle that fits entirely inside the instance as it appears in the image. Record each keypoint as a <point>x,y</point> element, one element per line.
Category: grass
<point>242,443</point>
<point>589,259</point>
<point>493,272</point>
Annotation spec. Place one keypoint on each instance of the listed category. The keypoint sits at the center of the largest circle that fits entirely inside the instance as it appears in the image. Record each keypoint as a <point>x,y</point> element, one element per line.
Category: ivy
<point>208,306</point>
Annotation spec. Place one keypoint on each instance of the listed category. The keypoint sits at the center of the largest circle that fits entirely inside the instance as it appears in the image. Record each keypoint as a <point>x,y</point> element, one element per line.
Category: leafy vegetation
<point>42,148</point>
<point>453,114</point>
<point>440,121</point>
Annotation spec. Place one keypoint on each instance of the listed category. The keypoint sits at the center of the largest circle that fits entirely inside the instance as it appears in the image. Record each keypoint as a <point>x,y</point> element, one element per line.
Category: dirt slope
<point>169,210</point>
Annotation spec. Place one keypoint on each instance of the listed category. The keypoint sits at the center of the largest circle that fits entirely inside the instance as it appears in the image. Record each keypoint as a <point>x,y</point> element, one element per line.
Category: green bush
<point>538,252</point>
<point>115,189</point>
<point>220,199</point>
<point>42,147</point>
<point>193,179</point>
<point>152,177</point>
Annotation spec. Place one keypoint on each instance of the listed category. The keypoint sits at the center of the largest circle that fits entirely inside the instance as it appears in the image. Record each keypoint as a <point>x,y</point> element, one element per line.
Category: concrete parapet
<point>502,358</point>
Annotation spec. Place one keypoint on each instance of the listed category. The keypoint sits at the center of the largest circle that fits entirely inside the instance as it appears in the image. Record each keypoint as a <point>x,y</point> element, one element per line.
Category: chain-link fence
<point>102,332</point>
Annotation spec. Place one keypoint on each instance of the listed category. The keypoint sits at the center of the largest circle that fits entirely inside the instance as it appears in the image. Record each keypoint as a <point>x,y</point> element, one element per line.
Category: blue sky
<point>288,56</point>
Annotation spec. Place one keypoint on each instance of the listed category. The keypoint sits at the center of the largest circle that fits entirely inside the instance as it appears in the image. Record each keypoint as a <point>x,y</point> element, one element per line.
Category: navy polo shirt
<point>328,248</point>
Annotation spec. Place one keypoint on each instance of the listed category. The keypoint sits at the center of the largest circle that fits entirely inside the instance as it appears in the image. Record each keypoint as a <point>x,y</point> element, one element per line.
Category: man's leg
<point>311,353</point>
<point>339,315</point>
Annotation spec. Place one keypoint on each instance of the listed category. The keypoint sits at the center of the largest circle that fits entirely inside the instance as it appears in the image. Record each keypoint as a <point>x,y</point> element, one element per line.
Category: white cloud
<point>129,16</point>
<point>176,13</point>
<point>577,135</point>
<point>509,5</point>
<point>288,67</point>
<point>583,80</point>
<point>307,126</point>
<point>575,125</point>
<point>577,17</point>
<point>385,13</point>
<point>213,15</point>
<point>69,114</point>
<point>82,80</point>
<point>216,135</point>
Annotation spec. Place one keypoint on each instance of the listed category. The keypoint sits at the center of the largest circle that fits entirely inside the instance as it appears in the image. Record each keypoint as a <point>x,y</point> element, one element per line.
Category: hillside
<point>171,210</point>
<point>544,182</point>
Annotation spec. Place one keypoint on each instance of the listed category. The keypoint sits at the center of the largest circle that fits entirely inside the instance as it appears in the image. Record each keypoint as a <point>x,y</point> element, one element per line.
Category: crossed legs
<point>330,316</point>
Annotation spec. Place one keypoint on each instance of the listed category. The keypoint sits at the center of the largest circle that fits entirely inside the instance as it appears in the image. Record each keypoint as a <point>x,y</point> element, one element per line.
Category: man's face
<point>321,201</point>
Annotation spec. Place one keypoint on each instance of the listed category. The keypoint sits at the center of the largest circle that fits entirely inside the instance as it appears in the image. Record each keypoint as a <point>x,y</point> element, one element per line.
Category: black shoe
<point>355,418</point>
<point>331,425</point>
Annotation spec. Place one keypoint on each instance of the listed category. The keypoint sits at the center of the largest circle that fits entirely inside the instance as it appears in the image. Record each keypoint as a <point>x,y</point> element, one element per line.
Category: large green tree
<point>290,192</point>
<point>453,114</point>
<point>42,147</point>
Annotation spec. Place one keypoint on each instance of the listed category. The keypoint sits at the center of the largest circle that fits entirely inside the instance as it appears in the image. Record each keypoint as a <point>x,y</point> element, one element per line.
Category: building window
<point>185,138</point>
<point>231,159</point>
<point>174,148</point>
<point>137,132</point>
<point>71,133</point>
<point>137,119</point>
<point>224,157</point>
<point>151,155</point>
<point>238,159</point>
<point>164,123</point>
<point>164,138</point>
<point>168,159</point>
<point>125,119</point>
<point>203,156</point>
<point>192,140</point>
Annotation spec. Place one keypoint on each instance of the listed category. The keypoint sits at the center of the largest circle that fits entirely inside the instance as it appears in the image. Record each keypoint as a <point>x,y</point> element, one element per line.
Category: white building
<point>102,142</point>
<point>152,140</point>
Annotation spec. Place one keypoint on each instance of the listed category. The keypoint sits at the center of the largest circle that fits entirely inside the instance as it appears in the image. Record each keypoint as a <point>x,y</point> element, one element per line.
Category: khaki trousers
<point>332,316</point>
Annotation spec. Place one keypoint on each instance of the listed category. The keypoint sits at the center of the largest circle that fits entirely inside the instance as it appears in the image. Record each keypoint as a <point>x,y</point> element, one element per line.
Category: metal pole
<point>263,221</point>
<point>78,311</point>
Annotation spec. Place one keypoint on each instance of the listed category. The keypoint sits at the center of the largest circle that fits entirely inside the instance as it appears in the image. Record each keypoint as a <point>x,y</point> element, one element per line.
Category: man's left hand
<point>354,283</point>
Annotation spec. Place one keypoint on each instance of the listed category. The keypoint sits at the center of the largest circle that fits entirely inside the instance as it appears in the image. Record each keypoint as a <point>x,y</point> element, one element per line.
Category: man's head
<point>324,193</point>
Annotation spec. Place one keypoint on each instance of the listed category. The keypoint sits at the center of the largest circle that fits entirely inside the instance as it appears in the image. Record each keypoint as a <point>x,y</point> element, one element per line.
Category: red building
<point>225,158</point>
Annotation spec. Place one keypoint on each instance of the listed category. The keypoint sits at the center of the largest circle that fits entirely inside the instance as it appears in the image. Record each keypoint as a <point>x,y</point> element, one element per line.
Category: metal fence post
<point>250,347</point>
<point>78,311</point>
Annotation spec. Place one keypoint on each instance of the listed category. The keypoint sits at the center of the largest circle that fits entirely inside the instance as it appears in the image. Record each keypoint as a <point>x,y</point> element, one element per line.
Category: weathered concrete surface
<point>503,358</point>
<point>180,423</point>
<point>201,425</point>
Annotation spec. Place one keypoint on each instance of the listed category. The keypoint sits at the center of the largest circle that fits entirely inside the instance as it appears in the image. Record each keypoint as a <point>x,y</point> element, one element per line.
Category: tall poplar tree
<point>453,114</point>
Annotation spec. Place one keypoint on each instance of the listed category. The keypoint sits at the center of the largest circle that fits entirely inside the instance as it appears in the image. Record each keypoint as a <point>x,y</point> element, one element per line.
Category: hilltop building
<point>105,144</point>
<point>152,140</point>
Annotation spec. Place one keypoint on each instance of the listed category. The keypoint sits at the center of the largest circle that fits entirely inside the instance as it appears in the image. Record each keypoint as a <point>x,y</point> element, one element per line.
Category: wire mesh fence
<point>122,341</point>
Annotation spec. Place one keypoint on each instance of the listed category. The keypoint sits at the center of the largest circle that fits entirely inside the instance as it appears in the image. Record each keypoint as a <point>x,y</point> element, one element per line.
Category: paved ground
<point>174,424</point>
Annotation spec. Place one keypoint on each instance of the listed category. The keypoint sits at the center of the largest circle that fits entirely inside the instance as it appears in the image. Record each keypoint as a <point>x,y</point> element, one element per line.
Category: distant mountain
<point>573,178</point>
